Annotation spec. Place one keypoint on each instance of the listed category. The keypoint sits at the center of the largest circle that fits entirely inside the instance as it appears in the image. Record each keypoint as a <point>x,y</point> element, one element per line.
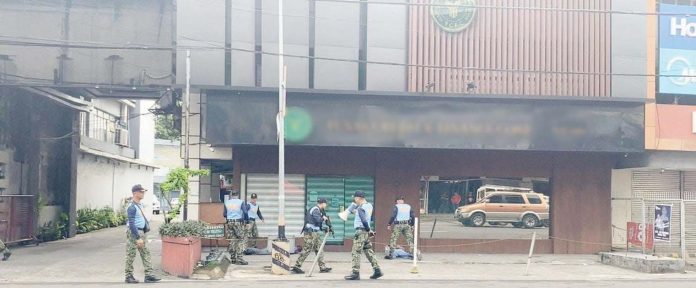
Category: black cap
<point>321,200</point>
<point>138,188</point>
<point>234,192</point>
<point>400,197</point>
<point>359,194</point>
<point>254,196</point>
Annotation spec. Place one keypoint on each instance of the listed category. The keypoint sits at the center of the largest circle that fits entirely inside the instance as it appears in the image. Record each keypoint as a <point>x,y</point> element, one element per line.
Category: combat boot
<point>131,280</point>
<point>151,279</point>
<point>325,270</point>
<point>6,255</point>
<point>377,274</point>
<point>353,276</point>
<point>241,262</point>
<point>297,270</point>
<point>389,257</point>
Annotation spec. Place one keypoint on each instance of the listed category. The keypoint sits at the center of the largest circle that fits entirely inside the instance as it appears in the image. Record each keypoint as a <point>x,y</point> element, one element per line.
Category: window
<point>495,199</point>
<point>514,199</point>
<point>533,199</point>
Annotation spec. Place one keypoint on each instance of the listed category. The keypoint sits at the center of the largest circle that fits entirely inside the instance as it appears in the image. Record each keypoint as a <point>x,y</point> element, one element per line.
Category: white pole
<point>683,229</point>
<point>281,127</point>
<point>645,227</point>
<point>187,114</point>
<point>531,252</point>
<point>414,270</point>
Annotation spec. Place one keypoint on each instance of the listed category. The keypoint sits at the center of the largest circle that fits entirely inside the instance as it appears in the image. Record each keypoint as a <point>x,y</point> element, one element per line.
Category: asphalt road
<point>395,284</point>
<point>449,228</point>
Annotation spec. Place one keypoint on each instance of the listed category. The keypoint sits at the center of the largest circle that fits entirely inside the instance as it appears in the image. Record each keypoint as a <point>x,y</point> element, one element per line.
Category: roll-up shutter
<point>331,188</point>
<point>689,187</point>
<point>364,184</point>
<point>266,187</point>
<point>654,184</point>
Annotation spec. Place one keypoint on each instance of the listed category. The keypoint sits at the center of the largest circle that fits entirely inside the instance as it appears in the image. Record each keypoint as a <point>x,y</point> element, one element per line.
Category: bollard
<point>414,270</point>
<point>281,257</point>
<point>531,251</point>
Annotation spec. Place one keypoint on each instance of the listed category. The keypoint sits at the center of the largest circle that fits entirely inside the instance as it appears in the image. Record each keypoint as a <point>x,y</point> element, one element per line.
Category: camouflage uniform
<point>132,248</point>
<point>397,230</point>
<point>253,233</point>
<point>312,242</point>
<point>237,235</point>
<point>361,242</point>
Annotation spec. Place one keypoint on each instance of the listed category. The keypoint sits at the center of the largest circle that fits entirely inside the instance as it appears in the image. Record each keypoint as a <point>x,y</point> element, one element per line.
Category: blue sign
<point>677,49</point>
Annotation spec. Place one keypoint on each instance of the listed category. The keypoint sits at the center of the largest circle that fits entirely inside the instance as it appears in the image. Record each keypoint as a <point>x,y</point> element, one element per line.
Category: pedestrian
<point>236,215</point>
<point>5,251</point>
<point>136,234</point>
<point>361,241</point>
<point>254,215</point>
<point>401,222</point>
<point>314,221</point>
<point>456,199</point>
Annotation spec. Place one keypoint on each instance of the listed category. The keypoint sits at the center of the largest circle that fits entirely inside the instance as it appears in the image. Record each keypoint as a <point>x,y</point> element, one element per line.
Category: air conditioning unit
<point>122,137</point>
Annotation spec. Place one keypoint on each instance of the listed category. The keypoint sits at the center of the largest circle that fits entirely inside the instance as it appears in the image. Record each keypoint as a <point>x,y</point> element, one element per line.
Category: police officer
<point>5,251</point>
<point>361,241</point>
<point>312,237</point>
<point>237,220</point>
<point>254,215</point>
<point>401,222</point>
<point>138,227</point>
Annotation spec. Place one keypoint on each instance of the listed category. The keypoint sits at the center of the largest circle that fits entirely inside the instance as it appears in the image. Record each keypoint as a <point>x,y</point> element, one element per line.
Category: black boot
<point>389,257</point>
<point>377,274</point>
<point>297,270</point>
<point>241,262</point>
<point>151,279</point>
<point>6,255</point>
<point>325,270</point>
<point>131,280</point>
<point>353,276</point>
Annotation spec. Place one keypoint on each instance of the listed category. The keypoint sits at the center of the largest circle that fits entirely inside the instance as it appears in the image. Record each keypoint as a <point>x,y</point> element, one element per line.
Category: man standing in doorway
<point>312,237</point>
<point>5,251</point>
<point>361,241</point>
<point>254,216</point>
<point>401,222</point>
<point>138,226</point>
<point>236,214</point>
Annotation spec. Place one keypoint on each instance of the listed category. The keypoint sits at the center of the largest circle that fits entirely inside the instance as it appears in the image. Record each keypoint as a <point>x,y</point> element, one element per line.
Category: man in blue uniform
<point>312,237</point>
<point>236,215</point>
<point>401,222</point>
<point>254,216</point>
<point>136,234</point>
<point>363,211</point>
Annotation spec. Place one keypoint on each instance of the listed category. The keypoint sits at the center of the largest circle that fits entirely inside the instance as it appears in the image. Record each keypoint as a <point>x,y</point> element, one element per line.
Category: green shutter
<point>331,188</point>
<point>358,183</point>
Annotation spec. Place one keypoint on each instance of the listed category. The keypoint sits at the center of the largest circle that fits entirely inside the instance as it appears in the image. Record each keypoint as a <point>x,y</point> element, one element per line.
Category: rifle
<point>328,223</point>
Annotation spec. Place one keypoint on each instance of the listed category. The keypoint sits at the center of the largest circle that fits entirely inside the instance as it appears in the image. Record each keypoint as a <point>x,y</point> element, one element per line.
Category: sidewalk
<point>98,257</point>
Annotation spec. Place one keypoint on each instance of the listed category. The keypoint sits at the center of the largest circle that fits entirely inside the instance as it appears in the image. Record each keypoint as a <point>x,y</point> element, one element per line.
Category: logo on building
<point>680,66</point>
<point>682,27</point>
<point>298,124</point>
<point>453,15</point>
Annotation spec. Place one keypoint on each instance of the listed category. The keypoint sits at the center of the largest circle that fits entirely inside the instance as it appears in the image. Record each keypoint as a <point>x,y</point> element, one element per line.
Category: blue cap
<point>321,200</point>
<point>359,194</point>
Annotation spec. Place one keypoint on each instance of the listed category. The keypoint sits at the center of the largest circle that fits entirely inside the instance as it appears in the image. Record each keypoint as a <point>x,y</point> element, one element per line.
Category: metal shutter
<point>689,188</point>
<point>266,187</point>
<point>656,184</point>
<point>331,188</point>
<point>364,184</point>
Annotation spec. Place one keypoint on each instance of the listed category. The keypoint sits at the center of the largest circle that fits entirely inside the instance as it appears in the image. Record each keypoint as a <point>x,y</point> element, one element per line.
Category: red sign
<point>636,233</point>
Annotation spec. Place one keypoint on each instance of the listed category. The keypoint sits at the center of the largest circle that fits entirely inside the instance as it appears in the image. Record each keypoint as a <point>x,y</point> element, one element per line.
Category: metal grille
<point>689,185</point>
<point>266,187</point>
<point>690,221</point>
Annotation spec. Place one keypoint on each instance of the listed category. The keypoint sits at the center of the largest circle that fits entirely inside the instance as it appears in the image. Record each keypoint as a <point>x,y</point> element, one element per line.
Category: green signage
<point>298,124</point>
<point>454,15</point>
<point>213,231</point>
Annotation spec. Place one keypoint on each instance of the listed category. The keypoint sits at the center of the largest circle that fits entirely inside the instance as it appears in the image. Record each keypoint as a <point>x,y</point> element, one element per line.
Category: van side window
<point>514,199</point>
<point>533,199</point>
<point>495,199</point>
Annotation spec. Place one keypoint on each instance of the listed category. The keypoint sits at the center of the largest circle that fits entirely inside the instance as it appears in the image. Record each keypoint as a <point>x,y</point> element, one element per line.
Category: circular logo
<point>676,66</point>
<point>298,124</point>
<point>454,15</point>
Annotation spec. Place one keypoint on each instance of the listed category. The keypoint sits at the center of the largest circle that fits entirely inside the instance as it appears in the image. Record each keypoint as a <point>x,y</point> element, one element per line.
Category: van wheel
<point>530,221</point>
<point>478,219</point>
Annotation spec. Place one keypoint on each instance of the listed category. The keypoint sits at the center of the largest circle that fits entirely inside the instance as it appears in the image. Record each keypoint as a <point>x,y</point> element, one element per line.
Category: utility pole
<point>281,127</point>
<point>187,102</point>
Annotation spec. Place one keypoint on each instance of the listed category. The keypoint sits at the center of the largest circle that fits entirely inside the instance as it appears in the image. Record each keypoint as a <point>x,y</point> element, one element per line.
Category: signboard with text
<point>677,48</point>
<point>636,233</point>
<point>426,122</point>
<point>663,222</point>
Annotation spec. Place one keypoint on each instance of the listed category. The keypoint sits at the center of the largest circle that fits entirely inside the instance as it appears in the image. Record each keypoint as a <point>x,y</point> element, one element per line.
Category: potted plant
<point>181,241</point>
<point>181,247</point>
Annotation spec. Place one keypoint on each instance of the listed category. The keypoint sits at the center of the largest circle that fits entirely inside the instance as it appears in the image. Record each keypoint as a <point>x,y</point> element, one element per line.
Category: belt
<point>235,220</point>
<point>402,222</point>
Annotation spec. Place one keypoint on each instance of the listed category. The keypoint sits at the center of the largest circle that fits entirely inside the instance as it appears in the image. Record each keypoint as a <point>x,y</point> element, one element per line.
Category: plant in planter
<point>181,246</point>
<point>181,242</point>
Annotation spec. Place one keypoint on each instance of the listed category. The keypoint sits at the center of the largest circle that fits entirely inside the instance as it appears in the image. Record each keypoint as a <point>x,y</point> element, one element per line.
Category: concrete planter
<point>180,255</point>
